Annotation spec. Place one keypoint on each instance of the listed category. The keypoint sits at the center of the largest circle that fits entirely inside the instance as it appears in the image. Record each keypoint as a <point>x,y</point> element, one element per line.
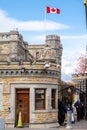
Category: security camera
<point>47,65</point>
<point>57,65</point>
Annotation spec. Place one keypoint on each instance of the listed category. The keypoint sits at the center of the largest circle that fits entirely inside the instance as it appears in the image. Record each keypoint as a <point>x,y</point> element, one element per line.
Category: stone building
<point>29,77</point>
<point>80,83</point>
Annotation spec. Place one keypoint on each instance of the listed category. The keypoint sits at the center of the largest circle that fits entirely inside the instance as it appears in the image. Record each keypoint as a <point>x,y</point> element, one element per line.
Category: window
<point>40,99</point>
<point>53,98</point>
<point>37,55</point>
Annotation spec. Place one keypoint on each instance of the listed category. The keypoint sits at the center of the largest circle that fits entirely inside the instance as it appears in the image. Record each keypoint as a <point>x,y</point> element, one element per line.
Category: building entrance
<point>22,105</point>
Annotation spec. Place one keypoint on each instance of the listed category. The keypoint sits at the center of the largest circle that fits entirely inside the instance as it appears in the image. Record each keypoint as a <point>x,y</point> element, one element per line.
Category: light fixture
<point>85,2</point>
<point>57,65</point>
<point>47,65</point>
<point>23,69</point>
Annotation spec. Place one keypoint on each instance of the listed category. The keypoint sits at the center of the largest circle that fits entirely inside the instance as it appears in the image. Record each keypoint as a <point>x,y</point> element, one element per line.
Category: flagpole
<point>85,3</point>
<point>86,15</point>
<point>45,23</point>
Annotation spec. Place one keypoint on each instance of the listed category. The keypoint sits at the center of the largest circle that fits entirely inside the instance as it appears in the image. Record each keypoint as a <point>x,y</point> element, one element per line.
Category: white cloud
<point>69,62</point>
<point>7,23</point>
<point>83,36</point>
<point>62,37</point>
<point>69,57</point>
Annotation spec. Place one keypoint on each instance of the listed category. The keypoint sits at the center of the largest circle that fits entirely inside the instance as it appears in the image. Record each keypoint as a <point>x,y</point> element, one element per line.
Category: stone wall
<point>30,74</point>
<point>44,117</point>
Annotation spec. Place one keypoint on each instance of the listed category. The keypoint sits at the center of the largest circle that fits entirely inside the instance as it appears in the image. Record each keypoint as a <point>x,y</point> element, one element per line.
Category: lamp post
<point>85,3</point>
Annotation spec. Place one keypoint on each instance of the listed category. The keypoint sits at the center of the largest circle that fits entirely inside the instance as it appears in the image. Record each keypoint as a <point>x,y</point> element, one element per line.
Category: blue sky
<point>29,17</point>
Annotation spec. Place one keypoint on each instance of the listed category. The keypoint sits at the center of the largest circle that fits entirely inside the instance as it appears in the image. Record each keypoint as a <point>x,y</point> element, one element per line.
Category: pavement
<point>81,125</point>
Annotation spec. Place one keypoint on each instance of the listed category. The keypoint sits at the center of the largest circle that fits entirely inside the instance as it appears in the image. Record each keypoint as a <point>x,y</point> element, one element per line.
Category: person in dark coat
<point>82,111</point>
<point>61,112</point>
<point>78,106</point>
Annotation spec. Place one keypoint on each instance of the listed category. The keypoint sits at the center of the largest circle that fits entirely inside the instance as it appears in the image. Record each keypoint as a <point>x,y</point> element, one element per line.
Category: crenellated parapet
<point>10,36</point>
<point>50,51</point>
<point>13,47</point>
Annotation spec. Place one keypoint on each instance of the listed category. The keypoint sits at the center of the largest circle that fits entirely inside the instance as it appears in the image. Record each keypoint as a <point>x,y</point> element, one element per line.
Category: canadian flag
<point>52,10</point>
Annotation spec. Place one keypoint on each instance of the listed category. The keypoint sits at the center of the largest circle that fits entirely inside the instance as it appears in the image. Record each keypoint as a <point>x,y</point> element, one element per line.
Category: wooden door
<point>22,105</point>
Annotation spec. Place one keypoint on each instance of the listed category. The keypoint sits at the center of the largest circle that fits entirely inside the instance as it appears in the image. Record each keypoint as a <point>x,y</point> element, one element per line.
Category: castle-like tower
<point>13,47</point>
<point>29,76</point>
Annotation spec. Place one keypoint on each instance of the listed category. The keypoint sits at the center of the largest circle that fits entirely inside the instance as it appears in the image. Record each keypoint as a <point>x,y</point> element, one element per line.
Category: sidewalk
<point>32,128</point>
<point>81,125</point>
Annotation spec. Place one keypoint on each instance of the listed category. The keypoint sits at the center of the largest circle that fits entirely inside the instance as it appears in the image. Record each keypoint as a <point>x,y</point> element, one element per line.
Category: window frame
<point>53,98</point>
<point>41,99</point>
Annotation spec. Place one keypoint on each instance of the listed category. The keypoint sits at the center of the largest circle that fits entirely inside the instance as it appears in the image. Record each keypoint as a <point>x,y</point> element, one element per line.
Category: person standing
<point>72,114</point>
<point>61,112</point>
<point>78,106</point>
